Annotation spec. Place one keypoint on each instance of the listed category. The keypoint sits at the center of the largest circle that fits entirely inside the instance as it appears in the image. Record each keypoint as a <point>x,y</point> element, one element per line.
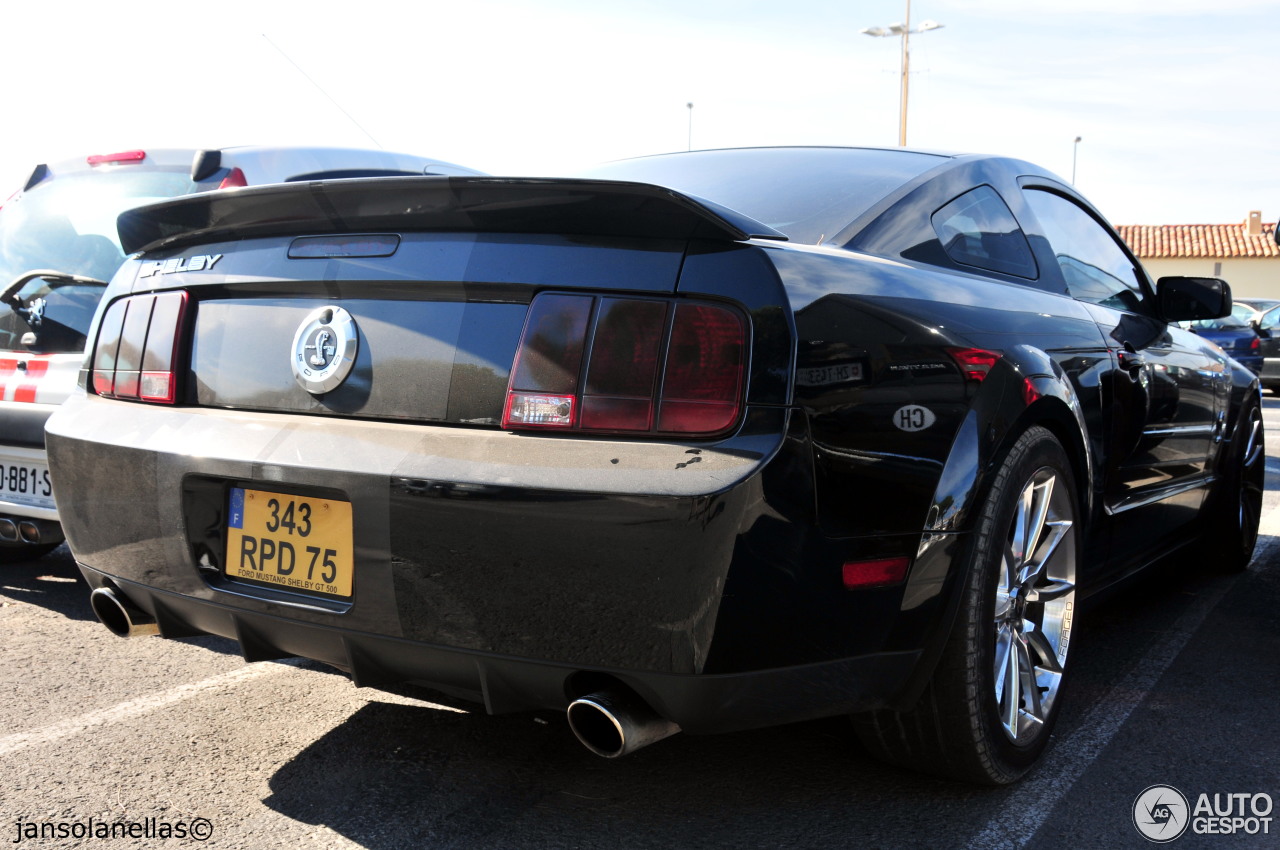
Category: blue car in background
<point>1233,335</point>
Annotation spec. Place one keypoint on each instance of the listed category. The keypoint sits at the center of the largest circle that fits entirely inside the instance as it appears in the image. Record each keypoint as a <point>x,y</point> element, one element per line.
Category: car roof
<point>260,163</point>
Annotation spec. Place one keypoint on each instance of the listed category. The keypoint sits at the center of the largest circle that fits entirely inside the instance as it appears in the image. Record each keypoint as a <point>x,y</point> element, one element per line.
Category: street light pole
<point>1074,148</point>
<point>690,105</point>
<point>903,30</point>
<point>906,78</point>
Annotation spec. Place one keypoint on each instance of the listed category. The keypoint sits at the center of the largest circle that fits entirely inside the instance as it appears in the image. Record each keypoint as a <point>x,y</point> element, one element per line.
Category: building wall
<point>1250,277</point>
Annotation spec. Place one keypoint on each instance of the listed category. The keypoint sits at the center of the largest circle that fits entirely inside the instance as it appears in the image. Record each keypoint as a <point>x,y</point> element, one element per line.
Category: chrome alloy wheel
<point>1252,474</point>
<point>1034,604</point>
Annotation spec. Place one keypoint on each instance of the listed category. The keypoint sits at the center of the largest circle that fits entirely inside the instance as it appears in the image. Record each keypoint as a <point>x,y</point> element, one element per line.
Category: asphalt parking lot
<point>1175,684</point>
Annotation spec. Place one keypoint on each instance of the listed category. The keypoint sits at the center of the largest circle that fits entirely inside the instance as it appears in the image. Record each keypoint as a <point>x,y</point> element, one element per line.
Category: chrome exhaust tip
<point>120,616</point>
<point>8,531</point>
<point>614,723</point>
<point>29,531</point>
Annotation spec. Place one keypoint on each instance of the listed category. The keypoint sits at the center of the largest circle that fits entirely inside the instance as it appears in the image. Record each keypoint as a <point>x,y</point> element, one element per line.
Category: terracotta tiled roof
<point>1157,241</point>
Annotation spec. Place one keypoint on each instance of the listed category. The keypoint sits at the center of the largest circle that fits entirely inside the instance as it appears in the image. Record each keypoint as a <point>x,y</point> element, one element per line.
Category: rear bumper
<point>22,423</point>
<point>504,568</point>
<point>1270,373</point>
<point>697,703</point>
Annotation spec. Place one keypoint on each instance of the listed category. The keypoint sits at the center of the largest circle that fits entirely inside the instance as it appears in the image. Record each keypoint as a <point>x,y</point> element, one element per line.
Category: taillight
<point>138,348</point>
<point>627,366</point>
<point>975,363</point>
<point>234,180</point>
<point>1253,344</point>
<point>116,158</point>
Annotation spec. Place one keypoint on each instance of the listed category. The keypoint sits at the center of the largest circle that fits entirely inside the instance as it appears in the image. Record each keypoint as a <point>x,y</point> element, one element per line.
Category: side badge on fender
<point>324,349</point>
<point>913,417</point>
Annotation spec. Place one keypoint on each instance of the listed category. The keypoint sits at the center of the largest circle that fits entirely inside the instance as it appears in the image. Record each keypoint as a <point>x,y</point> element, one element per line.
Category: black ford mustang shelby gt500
<point>706,441</point>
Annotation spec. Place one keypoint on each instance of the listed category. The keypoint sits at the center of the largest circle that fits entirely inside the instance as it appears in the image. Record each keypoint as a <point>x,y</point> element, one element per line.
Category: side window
<point>1096,268</point>
<point>1270,320</point>
<point>977,229</point>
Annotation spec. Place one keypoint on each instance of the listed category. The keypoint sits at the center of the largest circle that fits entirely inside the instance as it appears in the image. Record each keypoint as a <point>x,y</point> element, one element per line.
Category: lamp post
<point>1074,148</point>
<point>903,30</point>
<point>690,105</point>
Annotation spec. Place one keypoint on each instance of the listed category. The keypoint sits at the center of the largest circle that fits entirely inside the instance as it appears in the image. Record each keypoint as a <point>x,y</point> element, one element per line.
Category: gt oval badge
<point>324,349</point>
<point>913,417</point>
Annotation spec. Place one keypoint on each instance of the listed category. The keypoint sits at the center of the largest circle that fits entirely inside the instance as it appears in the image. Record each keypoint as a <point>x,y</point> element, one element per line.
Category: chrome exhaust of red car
<point>614,723</point>
<point>120,616</point>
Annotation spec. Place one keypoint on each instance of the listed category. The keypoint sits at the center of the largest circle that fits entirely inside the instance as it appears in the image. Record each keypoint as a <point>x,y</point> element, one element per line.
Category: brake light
<point>1253,343</point>
<point>234,180</point>
<point>116,158</point>
<point>137,348</point>
<point>975,363</point>
<point>628,366</point>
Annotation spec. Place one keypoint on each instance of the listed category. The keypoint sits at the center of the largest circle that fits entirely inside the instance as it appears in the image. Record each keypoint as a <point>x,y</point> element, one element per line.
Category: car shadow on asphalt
<point>398,775</point>
<point>52,582</point>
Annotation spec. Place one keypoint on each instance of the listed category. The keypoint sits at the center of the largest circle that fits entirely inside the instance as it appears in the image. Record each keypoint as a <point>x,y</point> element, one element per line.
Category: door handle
<point>1130,359</point>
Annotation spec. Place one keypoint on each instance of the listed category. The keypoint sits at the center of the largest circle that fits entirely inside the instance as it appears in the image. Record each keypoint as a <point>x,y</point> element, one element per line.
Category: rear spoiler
<point>471,204</point>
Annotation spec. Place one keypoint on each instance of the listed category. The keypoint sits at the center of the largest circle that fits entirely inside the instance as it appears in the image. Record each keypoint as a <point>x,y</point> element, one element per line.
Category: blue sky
<point>1176,106</point>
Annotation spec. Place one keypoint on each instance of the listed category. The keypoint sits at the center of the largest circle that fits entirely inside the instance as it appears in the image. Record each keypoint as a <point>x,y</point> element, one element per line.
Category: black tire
<point>975,723</point>
<point>1234,508</point>
<point>13,553</point>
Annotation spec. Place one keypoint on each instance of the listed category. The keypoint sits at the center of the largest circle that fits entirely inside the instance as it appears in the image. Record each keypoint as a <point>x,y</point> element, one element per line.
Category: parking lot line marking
<point>1033,799</point>
<point>154,702</point>
<point>137,707</point>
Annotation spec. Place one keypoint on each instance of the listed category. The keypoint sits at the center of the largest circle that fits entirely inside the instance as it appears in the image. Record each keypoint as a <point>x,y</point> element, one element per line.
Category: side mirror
<point>1187,299</point>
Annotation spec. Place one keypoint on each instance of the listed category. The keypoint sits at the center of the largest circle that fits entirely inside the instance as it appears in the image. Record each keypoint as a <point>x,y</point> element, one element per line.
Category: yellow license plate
<point>295,542</point>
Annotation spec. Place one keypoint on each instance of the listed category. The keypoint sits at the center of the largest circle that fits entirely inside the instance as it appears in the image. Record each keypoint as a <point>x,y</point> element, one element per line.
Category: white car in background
<point>58,249</point>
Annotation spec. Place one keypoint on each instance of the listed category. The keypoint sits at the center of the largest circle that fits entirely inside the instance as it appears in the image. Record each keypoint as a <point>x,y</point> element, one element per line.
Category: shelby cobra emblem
<point>324,349</point>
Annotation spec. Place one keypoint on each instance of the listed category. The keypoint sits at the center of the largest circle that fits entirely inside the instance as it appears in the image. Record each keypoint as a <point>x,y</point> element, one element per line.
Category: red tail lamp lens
<point>624,365</point>
<point>104,357</point>
<point>703,377</point>
<point>137,348</point>
<point>234,180</point>
<point>115,158</point>
<point>975,363</point>
<point>544,381</point>
<point>881,572</point>
<point>627,365</point>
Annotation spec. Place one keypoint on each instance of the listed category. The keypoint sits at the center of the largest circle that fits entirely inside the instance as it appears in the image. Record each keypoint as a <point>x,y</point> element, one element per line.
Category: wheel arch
<point>1012,400</point>
<point>1015,396</point>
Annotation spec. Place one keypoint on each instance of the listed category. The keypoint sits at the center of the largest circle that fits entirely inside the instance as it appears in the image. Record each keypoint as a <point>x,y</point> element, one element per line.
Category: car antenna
<point>323,92</point>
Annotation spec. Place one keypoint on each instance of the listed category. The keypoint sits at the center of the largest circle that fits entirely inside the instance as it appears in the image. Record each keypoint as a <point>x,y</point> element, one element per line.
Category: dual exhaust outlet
<point>23,530</point>
<point>609,723</point>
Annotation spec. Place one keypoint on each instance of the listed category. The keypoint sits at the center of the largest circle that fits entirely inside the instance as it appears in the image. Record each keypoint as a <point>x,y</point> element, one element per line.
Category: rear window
<point>810,194</point>
<point>68,224</point>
